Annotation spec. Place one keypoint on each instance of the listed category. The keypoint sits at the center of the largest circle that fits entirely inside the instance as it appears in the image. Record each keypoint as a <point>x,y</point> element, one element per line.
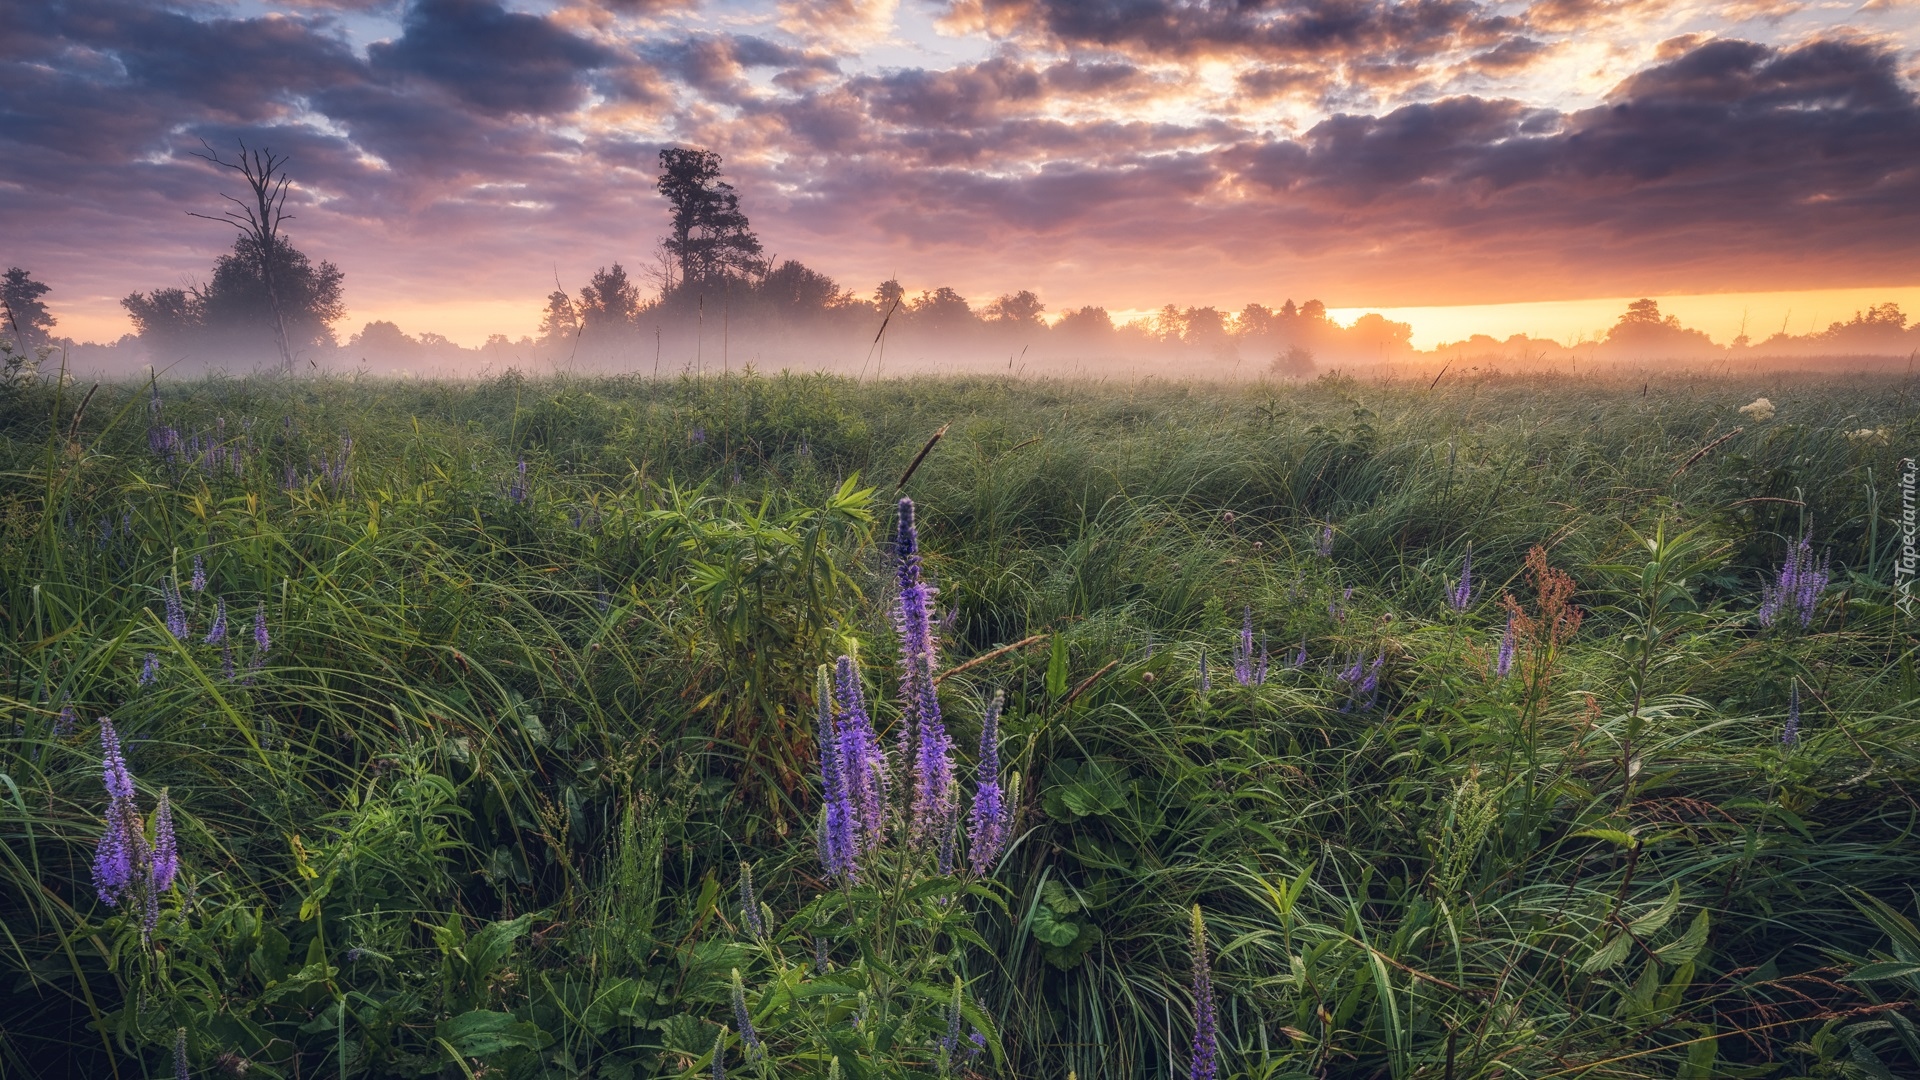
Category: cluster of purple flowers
<point>333,470</point>
<point>1323,544</point>
<point>176,611</point>
<point>854,768</point>
<point>208,451</point>
<point>1249,669</point>
<point>1460,597</point>
<point>126,869</point>
<point>1796,589</point>
<point>991,826</point>
<point>1360,681</point>
<point>923,736</point>
<point>1503,662</point>
<point>68,722</point>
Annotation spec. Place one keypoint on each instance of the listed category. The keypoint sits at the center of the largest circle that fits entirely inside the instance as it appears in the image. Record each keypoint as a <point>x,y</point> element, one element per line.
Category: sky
<point>1465,165</point>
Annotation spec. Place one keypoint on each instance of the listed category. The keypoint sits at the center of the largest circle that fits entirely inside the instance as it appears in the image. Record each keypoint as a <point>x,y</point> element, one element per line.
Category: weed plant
<point>513,676</point>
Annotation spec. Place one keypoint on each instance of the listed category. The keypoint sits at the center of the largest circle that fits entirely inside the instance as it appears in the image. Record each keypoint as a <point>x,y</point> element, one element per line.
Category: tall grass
<point>478,805</point>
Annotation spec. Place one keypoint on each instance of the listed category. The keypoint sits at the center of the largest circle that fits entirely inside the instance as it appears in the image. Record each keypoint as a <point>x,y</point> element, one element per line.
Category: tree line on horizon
<point>710,283</point>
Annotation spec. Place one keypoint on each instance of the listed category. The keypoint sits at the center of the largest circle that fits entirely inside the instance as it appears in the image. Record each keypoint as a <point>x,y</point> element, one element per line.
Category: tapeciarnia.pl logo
<point>1906,564</point>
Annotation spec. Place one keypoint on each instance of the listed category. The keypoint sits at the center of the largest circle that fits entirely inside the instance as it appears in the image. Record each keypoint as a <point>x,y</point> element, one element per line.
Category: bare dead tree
<point>259,221</point>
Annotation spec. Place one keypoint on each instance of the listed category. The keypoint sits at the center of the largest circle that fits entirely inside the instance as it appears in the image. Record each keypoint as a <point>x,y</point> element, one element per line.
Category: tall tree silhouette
<point>25,314</point>
<point>709,236</point>
<point>259,217</point>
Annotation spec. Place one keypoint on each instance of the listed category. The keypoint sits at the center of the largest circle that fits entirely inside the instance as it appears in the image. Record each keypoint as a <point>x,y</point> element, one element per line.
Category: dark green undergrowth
<point>539,678</point>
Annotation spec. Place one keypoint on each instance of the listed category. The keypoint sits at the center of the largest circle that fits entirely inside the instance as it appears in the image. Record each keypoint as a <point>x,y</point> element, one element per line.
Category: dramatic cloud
<point>449,152</point>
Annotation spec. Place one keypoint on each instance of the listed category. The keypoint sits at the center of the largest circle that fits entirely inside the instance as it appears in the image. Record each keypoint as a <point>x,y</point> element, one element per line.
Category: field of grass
<point>515,678</point>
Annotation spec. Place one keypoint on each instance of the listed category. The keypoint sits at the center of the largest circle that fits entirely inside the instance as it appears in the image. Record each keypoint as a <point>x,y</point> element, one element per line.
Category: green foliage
<point>476,809</point>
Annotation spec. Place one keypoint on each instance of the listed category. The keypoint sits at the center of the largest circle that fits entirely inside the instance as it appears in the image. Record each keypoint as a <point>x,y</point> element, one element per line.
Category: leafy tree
<point>1255,320</point>
<point>1203,325</point>
<point>942,309</point>
<point>1088,321</point>
<point>259,217</point>
<point>610,301</point>
<point>796,289</point>
<point>889,294</point>
<point>560,322</point>
<point>169,321</point>
<point>236,311</point>
<point>1016,309</point>
<point>27,318</point>
<point>254,298</point>
<point>709,237</point>
<point>1643,330</point>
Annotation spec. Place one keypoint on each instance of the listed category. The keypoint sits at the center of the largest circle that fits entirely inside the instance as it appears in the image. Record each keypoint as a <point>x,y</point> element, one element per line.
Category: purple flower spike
<point>218,632</point>
<point>989,829</point>
<point>150,669</point>
<point>1460,597</point>
<point>1206,1031</point>
<point>1503,666</point>
<point>931,815</point>
<point>180,1055</point>
<point>166,850</point>
<point>750,1045</point>
<point>862,762</point>
<point>121,856</point>
<point>1323,545</point>
<point>176,611</point>
<point>1796,589</point>
<point>750,904</point>
<point>1244,671</point>
<point>67,722</point>
<point>261,642</point>
<point>199,583</point>
<point>837,840</point>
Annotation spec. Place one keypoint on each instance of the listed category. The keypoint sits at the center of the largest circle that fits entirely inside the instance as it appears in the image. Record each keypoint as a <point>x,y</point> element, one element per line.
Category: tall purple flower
<point>218,632</point>
<point>66,723</point>
<point>861,761</point>
<point>176,611</point>
<point>1249,669</point>
<point>837,839</point>
<point>750,1045</point>
<point>1360,681</point>
<point>1790,735</point>
<point>199,583</point>
<point>989,828</point>
<point>1206,1025</point>
<point>121,857</point>
<point>1797,587</point>
<point>261,642</point>
<point>180,1055</point>
<point>750,904</point>
<point>1323,544</point>
<point>150,669</point>
<point>1503,664</point>
<point>930,817</point>
<point>1460,597</point>
<point>166,849</point>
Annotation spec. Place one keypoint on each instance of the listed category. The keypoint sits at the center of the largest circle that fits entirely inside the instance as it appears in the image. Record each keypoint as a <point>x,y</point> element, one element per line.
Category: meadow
<point>1504,726</point>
